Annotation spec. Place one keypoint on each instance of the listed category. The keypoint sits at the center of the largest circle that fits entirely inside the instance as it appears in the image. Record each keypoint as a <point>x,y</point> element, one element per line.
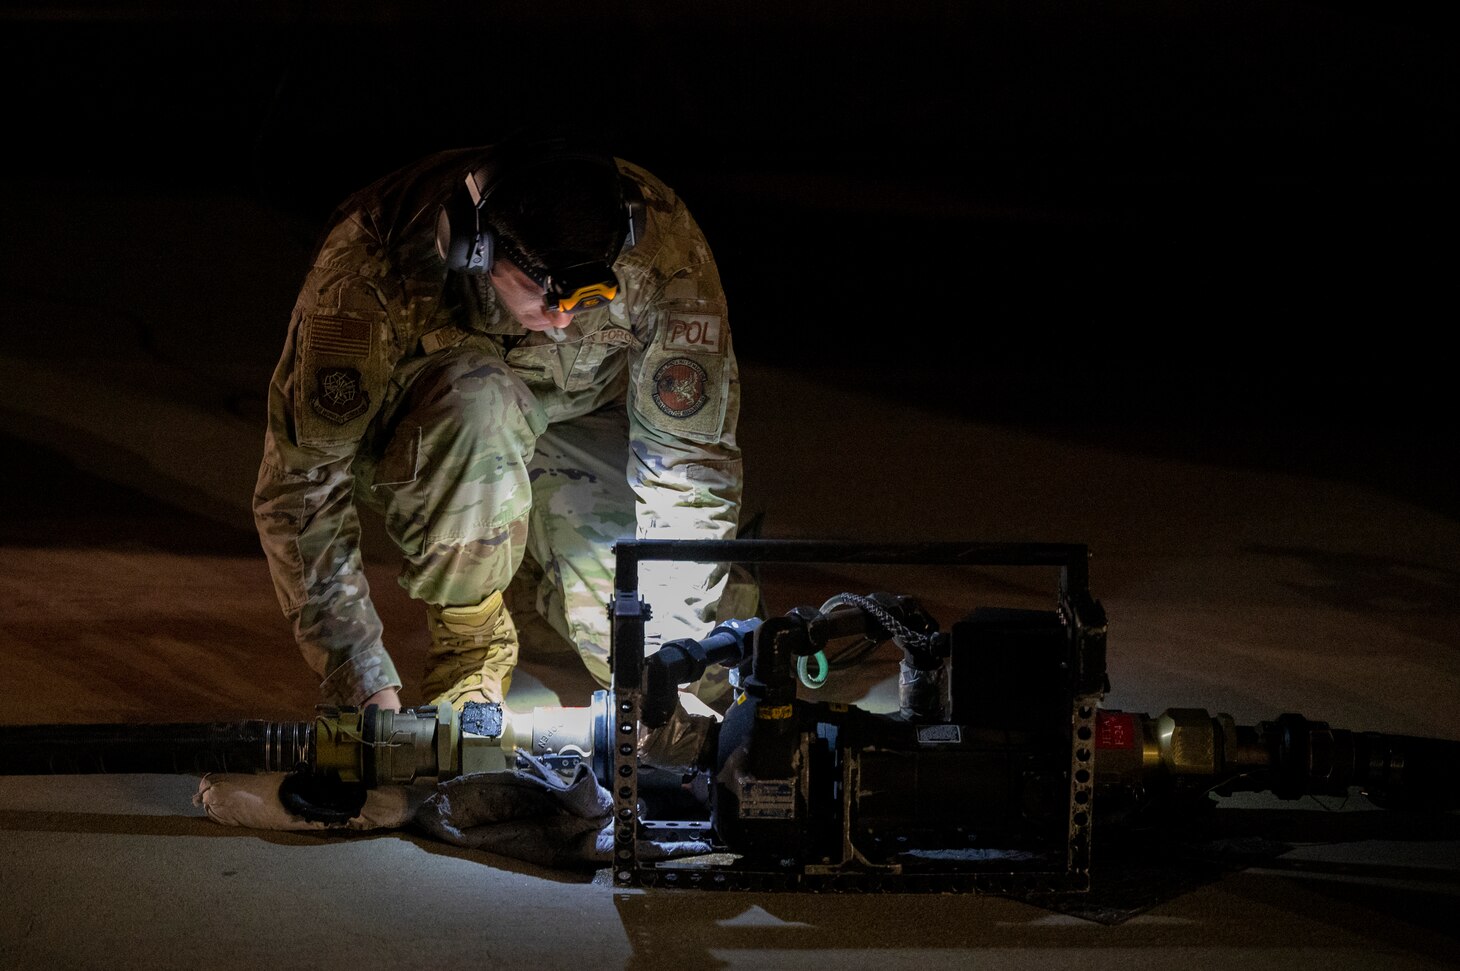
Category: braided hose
<point>885,620</point>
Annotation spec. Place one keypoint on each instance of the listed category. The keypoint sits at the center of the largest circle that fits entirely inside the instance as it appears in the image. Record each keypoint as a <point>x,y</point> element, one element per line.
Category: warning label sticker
<point>768,799</point>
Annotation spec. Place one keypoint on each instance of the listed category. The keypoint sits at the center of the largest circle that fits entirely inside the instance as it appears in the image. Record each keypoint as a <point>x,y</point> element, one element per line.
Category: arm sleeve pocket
<point>340,376</point>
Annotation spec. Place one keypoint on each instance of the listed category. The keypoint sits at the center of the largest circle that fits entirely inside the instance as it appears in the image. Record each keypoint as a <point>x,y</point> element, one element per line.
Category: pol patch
<point>338,394</point>
<point>679,387</point>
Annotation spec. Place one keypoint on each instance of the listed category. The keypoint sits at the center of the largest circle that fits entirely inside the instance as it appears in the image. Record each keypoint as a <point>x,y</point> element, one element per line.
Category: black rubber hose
<point>1393,771</point>
<point>168,749</point>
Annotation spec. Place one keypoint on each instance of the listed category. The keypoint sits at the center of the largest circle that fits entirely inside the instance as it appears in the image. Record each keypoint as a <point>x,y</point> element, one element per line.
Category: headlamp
<point>580,287</point>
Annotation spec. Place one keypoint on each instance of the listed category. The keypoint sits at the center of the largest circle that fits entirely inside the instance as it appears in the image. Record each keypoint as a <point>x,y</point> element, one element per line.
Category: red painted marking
<point>1115,729</point>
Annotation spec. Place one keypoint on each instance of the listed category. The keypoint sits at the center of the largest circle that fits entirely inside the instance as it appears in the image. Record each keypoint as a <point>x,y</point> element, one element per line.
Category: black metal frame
<point>629,613</point>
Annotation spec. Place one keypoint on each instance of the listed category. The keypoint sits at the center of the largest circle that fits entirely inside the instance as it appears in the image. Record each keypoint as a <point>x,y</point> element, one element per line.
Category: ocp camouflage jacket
<point>378,299</point>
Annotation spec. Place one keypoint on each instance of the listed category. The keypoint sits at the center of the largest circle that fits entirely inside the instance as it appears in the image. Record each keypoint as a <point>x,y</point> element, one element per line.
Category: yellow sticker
<point>774,713</point>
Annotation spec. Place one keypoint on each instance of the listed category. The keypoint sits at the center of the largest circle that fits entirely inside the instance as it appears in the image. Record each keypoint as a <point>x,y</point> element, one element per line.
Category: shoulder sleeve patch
<point>339,394</point>
<point>679,387</point>
<point>684,396</point>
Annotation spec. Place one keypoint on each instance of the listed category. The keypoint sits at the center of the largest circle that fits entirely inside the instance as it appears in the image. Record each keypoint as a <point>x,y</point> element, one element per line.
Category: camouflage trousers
<point>477,487</point>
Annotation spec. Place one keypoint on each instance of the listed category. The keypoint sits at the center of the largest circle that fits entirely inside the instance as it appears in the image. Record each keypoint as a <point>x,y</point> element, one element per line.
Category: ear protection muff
<point>460,239</point>
<point>465,239</point>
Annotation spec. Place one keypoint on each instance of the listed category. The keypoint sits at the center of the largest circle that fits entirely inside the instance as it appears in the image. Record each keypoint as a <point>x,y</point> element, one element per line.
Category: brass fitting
<point>380,747</point>
<point>1186,739</point>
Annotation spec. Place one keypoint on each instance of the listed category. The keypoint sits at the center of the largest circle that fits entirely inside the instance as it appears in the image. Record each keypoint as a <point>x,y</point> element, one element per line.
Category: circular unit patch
<point>679,387</point>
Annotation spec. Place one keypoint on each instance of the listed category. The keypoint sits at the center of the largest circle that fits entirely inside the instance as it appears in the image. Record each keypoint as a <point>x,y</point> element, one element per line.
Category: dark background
<point>1189,228</point>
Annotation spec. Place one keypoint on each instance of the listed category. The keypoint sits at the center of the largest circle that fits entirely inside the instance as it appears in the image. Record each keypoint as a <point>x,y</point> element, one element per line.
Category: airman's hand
<point>386,698</point>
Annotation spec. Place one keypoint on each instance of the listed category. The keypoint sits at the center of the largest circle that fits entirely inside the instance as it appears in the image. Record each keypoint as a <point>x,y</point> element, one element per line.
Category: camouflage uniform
<point>410,389</point>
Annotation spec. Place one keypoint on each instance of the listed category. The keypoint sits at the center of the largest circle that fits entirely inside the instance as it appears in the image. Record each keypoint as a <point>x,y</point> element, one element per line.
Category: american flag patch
<point>339,335</point>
